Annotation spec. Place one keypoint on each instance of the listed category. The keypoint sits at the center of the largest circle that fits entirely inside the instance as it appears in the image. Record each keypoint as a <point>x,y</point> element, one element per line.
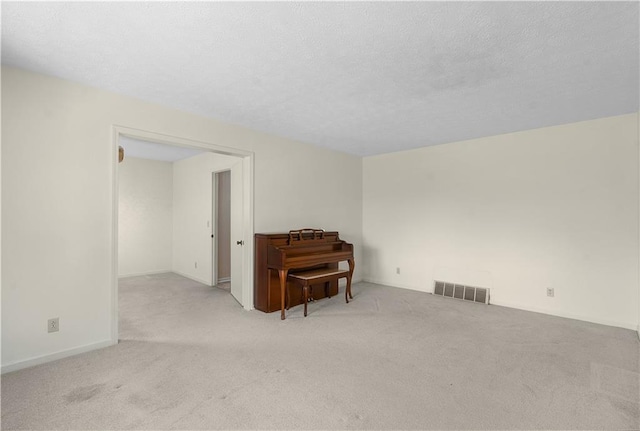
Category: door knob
<point>240,242</point>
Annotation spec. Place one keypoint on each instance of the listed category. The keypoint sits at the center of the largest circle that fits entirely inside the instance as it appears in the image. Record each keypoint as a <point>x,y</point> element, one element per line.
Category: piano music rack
<point>314,234</point>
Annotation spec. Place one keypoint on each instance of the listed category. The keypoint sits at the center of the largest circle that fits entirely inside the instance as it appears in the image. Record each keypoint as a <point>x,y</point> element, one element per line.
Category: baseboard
<point>205,282</point>
<point>32,362</point>
<point>582,318</point>
<point>343,282</point>
<point>224,279</point>
<point>385,283</point>
<point>138,274</point>
<point>605,322</point>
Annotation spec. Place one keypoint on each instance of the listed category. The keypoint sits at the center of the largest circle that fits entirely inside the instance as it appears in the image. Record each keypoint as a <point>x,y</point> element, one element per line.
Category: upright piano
<point>279,254</point>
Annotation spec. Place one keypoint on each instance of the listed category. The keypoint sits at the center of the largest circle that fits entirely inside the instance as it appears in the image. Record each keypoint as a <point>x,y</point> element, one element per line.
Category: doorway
<point>222,227</point>
<point>227,216</point>
<point>240,176</point>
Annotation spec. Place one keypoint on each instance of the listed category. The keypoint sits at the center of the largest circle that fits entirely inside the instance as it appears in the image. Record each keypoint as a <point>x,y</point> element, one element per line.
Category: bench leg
<point>305,290</point>
<point>288,304</point>
<point>283,286</point>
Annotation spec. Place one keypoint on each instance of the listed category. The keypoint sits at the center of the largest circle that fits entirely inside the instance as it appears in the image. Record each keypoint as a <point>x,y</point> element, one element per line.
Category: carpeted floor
<point>191,358</point>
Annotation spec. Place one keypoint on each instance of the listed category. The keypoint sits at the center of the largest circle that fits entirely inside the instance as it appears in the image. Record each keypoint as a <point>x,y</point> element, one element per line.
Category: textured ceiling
<point>155,151</point>
<point>364,78</point>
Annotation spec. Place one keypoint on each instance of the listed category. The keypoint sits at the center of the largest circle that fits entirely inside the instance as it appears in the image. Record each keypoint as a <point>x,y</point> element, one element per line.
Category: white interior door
<point>237,237</point>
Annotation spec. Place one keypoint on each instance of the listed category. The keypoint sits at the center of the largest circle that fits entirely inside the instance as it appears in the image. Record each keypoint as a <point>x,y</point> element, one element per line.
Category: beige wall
<point>518,213</point>
<point>193,214</point>
<point>148,217</point>
<point>554,207</point>
<point>145,216</point>
<point>57,192</point>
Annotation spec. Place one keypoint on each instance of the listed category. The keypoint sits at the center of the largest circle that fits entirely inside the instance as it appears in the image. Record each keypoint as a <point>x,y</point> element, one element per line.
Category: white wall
<point>145,219</point>
<point>553,207</point>
<point>57,193</point>
<point>192,214</point>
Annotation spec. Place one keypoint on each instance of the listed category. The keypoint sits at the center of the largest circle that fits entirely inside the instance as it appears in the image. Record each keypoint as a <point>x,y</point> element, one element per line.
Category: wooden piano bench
<point>318,276</point>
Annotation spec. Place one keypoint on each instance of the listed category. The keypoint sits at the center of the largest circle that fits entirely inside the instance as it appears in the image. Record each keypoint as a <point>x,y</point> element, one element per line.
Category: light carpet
<point>191,358</point>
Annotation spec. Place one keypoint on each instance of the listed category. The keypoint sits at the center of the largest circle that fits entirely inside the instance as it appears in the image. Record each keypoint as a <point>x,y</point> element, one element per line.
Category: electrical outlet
<point>53,325</point>
<point>550,292</point>
<point>397,270</point>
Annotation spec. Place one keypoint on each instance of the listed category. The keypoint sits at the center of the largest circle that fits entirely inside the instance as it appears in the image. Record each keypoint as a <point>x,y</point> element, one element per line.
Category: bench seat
<point>318,276</point>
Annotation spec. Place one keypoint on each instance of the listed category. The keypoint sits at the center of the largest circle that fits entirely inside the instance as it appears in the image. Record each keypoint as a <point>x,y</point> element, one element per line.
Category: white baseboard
<point>138,274</point>
<point>224,279</point>
<point>205,282</point>
<point>386,283</point>
<point>573,316</point>
<point>606,322</point>
<point>38,360</point>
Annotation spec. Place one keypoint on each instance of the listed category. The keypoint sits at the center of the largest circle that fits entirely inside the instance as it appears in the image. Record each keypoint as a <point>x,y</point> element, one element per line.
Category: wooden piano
<point>299,252</point>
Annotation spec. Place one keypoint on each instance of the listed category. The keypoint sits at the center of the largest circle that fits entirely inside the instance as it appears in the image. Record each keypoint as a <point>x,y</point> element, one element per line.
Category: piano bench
<point>317,276</point>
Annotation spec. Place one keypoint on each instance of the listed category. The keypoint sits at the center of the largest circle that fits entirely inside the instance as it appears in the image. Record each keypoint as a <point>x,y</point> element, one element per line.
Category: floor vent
<point>458,291</point>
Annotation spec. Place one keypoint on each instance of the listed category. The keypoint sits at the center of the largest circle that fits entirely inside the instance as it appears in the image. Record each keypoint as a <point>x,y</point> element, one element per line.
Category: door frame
<point>247,158</point>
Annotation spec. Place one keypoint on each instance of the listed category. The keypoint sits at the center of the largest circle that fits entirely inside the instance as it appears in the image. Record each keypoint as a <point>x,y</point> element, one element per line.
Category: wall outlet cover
<point>53,325</point>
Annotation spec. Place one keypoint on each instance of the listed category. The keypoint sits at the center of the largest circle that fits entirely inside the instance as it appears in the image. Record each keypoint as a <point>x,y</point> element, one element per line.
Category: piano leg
<point>283,287</point>
<point>352,265</point>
